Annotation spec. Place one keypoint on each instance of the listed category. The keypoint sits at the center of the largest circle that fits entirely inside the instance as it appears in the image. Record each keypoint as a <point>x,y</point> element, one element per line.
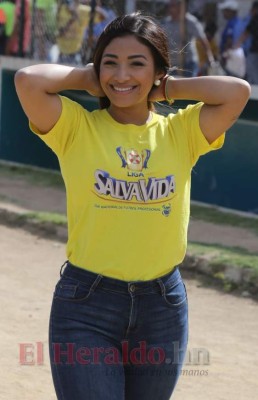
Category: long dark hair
<point>146,30</point>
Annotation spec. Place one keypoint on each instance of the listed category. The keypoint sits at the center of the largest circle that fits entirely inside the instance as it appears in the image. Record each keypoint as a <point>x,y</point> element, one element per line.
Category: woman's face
<point>127,72</point>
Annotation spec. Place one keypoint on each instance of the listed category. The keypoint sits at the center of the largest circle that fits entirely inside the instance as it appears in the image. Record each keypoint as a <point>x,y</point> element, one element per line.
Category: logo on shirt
<point>141,190</point>
<point>134,160</point>
<point>166,210</point>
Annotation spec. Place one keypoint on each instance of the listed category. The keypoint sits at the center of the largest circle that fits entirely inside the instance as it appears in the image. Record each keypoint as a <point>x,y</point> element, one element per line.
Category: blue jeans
<point>116,340</point>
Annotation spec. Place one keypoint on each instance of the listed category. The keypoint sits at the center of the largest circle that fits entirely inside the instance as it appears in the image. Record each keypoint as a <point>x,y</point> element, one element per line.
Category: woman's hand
<point>93,85</point>
<point>160,93</point>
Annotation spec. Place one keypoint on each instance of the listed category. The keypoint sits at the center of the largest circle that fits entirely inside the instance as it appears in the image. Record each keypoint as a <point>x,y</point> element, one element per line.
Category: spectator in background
<point>196,7</point>
<point>244,22</point>
<point>44,28</point>
<point>251,32</point>
<point>109,14</point>
<point>232,29</point>
<point>182,28</point>
<point>7,13</point>
<point>233,61</point>
<point>108,7</point>
<point>19,42</point>
<point>72,20</point>
<point>210,31</point>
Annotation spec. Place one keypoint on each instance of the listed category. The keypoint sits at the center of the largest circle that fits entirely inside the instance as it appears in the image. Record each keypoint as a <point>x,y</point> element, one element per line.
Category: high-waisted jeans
<point>116,340</point>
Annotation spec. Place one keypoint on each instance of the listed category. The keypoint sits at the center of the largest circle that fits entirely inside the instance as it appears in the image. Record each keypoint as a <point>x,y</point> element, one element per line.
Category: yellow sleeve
<point>195,139</point>
<point>62,135</point>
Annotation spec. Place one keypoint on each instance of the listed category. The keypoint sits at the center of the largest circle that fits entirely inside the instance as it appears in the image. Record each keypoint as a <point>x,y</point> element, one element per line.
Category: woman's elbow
<point>239,97</point>
<point>244,90</point>
<point>22,79</point>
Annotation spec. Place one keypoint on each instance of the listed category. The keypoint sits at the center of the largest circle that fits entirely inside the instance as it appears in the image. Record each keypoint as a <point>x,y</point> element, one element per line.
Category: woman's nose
<point>122,74</point>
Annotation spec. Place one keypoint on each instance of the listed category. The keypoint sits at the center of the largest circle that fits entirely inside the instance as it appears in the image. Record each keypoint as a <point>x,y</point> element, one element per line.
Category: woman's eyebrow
<point>129,57</point>
<point>109,55</point>
<point>137,56</point>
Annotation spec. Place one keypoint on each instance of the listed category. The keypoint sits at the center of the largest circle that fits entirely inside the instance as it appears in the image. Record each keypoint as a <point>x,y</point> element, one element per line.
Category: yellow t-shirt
<point>128,188</point>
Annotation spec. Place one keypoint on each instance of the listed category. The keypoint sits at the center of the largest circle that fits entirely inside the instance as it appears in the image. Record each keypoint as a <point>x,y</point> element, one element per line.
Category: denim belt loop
<point>162,286</point>
<point>62,268</point>
<point>96,282</point>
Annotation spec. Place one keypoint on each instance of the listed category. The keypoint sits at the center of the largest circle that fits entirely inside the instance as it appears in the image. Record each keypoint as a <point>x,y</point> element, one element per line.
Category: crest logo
<point>166,210</point>
<point>133,160</point>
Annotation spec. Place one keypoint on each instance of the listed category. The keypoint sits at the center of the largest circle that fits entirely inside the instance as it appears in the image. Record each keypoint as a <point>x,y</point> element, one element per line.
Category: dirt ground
<point>222,325</point>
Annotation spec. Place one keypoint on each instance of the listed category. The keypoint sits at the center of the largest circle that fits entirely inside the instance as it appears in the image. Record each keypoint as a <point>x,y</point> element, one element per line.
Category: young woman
<point>118,324</point>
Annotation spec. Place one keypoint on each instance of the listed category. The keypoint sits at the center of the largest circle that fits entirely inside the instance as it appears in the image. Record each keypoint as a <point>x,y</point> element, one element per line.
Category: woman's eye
<point>109,63</point>
<point>138,64</point>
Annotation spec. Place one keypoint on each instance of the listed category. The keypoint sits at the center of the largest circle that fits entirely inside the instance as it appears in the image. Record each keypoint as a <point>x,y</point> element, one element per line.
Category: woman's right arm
<point>37,87</point>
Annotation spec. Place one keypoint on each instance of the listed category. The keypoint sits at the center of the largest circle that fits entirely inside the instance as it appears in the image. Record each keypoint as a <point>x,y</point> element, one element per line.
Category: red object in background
<point>2,17</point>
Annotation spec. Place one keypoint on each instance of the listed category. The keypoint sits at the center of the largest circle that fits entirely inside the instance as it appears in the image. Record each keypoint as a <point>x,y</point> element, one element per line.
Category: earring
<point>157,82</point>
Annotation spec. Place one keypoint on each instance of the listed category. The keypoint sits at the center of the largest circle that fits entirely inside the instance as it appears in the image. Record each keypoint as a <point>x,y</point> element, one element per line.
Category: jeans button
<point>132,288</point>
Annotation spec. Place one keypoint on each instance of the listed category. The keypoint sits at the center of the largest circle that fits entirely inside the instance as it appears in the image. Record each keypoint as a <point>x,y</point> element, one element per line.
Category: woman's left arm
<point>224,98</point>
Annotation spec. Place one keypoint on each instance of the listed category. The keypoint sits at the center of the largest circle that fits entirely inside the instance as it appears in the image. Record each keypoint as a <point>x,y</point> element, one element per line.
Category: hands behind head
<point>94,88</point>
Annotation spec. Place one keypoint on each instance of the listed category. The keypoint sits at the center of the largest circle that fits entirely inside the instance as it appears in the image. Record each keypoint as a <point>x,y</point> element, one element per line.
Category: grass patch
<point>32,175</point>
<point>218,217</point>
<point>220,255</point>
<point>53,218</point>
<point>7,199</point>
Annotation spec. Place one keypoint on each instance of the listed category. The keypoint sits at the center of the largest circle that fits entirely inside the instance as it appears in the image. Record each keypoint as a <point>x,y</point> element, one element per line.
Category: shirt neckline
<point>135,128</point>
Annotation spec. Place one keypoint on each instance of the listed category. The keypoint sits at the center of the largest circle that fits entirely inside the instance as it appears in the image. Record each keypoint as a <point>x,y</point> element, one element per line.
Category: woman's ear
<point>160,75</point>
<point>158,78</point>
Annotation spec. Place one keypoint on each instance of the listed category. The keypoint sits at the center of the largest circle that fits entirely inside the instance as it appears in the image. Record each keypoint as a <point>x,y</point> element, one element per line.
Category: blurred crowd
<point>205,37</point>
<point>199,45</point>
<point>62,31</point>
